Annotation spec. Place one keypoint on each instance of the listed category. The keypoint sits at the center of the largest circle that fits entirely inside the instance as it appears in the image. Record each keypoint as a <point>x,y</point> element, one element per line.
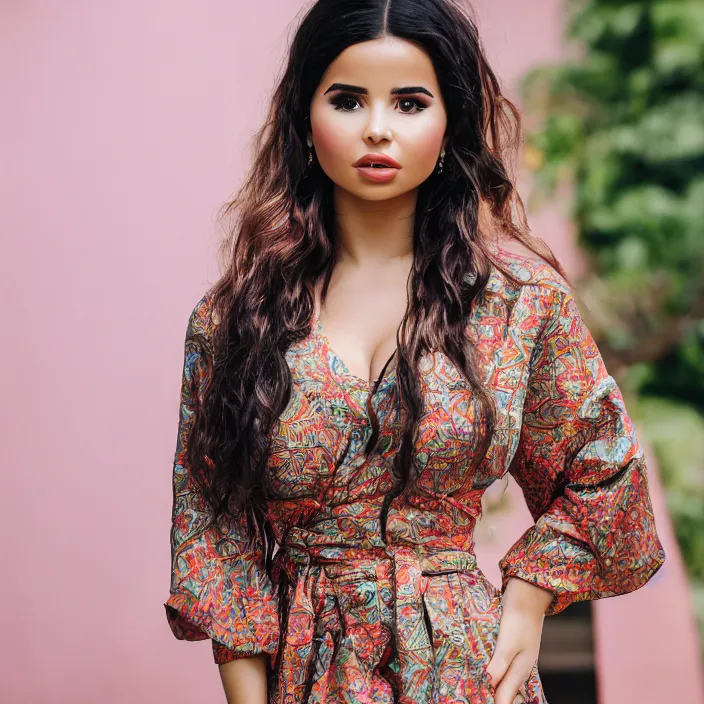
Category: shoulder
<point>537,294</point>
<point>516,265</point>
<point>202,319</point>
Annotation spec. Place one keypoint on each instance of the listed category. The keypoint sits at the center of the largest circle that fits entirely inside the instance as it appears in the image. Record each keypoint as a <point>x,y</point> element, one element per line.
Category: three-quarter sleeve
<point>219,587</point>
<point>581,470</point>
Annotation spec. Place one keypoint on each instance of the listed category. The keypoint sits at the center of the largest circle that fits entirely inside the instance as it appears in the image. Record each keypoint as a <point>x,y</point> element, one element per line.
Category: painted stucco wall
<point>126,126</point>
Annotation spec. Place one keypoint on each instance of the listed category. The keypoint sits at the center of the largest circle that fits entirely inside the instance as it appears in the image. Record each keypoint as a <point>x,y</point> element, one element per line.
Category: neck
<point>373,233</point>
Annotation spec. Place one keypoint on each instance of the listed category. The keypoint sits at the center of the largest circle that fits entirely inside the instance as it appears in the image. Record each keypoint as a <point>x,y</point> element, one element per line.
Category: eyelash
<point>339,99</point>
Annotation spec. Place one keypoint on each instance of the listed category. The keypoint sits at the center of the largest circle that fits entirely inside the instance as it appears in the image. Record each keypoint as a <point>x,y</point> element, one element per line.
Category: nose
<point>378,126</point>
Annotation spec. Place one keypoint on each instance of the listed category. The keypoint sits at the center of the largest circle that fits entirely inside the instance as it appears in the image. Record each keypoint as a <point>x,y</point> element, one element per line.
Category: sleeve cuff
<point>239,631</point>
<point>222,654</point>
<point>547,559</point>
<point>550,559</point>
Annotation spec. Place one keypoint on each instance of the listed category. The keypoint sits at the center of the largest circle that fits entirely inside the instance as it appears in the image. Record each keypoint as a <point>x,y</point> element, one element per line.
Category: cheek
<point>331,142</point>
<point>426,145</point>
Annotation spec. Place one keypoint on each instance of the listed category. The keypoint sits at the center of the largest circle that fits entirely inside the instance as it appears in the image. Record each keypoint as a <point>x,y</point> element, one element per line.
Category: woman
<point>386,341</point>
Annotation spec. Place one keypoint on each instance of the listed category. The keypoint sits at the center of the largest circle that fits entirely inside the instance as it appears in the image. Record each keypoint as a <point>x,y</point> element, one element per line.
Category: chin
<point>379,194</point>
<point>375,192</point>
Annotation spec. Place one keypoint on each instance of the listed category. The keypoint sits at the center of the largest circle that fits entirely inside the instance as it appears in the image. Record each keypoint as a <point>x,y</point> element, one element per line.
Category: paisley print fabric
<point>349,617</point>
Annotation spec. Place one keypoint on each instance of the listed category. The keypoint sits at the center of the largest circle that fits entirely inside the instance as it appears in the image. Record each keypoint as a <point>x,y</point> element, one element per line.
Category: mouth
<point>380,173</point>
<point>377,161</point>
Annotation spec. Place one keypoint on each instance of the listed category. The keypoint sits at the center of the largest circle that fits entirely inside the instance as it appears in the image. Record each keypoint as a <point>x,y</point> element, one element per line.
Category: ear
<point>445,140</point>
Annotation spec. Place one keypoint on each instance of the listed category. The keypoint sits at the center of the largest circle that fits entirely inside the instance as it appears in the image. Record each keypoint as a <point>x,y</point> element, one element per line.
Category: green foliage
<point>676,433</point>
<point>625,124</point>
<point>680,373</point>
<point>622,124</point>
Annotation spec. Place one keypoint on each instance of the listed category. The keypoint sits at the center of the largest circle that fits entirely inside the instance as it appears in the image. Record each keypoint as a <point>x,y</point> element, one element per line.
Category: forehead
<point>382,64</point>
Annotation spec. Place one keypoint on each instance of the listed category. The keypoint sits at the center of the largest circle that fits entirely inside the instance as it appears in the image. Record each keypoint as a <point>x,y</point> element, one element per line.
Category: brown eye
<point>413,103</point>
<point>348,103</point>
<point>344,100</point>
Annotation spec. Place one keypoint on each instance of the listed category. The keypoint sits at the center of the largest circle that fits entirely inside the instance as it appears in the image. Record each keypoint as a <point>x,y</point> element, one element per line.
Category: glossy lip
<point>377,158</point>
<point>383,175</point>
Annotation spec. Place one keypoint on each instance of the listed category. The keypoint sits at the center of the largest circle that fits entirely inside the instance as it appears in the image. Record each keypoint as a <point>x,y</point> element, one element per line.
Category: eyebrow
<point>406,90</point>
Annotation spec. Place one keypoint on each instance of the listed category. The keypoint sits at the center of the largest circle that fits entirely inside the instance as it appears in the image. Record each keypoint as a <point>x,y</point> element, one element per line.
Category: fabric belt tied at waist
<point>405,565</point>
<point>336,560</point>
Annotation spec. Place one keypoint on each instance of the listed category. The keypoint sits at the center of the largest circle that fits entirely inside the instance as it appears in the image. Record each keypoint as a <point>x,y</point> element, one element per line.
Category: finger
<point>518,671</point>
<point>499,663</point>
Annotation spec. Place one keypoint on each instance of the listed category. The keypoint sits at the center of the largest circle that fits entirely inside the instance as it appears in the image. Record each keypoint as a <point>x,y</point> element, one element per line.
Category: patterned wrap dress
<point>349,617</point>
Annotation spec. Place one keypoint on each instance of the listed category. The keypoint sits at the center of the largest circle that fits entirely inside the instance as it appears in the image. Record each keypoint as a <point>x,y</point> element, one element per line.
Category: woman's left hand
<point>518,642</point>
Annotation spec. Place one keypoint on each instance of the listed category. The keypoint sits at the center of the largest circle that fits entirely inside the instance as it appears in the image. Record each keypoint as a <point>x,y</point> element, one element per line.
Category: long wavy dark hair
<point>283,242</point>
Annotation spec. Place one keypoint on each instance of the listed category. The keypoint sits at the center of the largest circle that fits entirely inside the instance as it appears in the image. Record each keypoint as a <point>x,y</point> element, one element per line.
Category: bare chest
<point>360,318</point>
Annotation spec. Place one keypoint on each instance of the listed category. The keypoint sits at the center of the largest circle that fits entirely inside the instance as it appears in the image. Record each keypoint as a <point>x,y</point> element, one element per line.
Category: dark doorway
<point>566,660</point>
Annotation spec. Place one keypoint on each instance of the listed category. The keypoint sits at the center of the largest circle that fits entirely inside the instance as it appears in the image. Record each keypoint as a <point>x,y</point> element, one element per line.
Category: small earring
<point>310,152</point>
<point>442,161</point>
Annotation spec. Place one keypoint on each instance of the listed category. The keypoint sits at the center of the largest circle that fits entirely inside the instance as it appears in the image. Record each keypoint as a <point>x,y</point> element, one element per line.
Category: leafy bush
<point>622,124</point>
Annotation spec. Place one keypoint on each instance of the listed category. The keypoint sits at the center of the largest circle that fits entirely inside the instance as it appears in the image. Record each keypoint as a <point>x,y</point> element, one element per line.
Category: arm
<point>219,586</point>
<point>244,680</point>
<point>582,472</point>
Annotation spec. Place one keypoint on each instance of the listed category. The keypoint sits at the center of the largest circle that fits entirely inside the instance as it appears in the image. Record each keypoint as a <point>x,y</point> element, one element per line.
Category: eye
<point>344,99</point>
<point>414,102</point>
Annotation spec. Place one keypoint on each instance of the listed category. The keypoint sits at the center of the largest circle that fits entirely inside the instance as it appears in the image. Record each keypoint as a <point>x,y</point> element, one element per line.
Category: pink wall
<point>128,126</point>
<point>651,631</point>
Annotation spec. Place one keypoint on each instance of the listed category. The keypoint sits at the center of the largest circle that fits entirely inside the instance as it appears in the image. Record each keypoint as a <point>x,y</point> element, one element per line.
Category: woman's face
<point>357,109</point>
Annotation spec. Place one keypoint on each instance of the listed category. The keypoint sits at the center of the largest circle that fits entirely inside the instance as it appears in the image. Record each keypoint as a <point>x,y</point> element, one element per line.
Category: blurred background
<point>126,126</point>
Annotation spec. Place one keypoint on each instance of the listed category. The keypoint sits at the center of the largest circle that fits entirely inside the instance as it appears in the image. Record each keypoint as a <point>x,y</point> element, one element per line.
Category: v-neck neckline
<point>364,383</point>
